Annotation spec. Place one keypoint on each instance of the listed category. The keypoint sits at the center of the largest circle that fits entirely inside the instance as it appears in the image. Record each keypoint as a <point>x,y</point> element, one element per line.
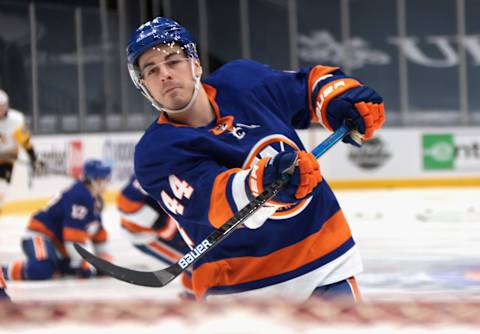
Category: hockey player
<point>72,216</point>
<point>13,133</point>
<point>218,143</point>
<point>149,228</point>
<point>3,286</point>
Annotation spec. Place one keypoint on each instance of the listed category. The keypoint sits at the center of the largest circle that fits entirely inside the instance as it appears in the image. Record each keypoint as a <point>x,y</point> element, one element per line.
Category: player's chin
<point>176,103</point>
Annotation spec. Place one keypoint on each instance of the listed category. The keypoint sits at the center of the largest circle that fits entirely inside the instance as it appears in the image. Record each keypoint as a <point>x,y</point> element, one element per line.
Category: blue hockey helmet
<point>160,30</point>
<point>96,169</point>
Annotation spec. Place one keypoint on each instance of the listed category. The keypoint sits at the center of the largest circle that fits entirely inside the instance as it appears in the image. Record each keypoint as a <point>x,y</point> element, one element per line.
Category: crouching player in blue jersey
<point>73,216</point>
<point>218,143</point>
<point>150,229</point>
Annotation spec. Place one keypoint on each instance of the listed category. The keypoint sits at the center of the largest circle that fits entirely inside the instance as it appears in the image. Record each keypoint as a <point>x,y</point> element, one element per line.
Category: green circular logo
<point>441,151</point>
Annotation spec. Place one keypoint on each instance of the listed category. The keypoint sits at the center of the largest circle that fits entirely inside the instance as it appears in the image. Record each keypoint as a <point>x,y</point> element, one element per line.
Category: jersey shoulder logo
<point>225,124</point>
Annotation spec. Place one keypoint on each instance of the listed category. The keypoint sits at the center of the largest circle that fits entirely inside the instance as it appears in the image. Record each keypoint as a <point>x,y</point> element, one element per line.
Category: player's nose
<point>164,73</point>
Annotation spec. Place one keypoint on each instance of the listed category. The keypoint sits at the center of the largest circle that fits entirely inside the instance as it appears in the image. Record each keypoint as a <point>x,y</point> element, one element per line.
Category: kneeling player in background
<point>150,229</point>
<point>72,216</point>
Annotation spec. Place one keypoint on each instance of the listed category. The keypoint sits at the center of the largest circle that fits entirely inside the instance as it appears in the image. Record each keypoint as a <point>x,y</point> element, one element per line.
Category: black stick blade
<point>153,279</point>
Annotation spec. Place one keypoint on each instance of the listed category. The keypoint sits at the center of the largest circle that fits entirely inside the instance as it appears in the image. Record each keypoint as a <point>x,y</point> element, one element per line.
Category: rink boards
<point>397,157</point>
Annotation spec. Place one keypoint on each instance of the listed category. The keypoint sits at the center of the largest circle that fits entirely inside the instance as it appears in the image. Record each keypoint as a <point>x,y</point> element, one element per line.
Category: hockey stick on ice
<point>162,277</point>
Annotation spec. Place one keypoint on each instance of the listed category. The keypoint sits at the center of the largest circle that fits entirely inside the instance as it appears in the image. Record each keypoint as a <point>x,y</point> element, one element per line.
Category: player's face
<point>167,74</point>
<point>101,185</point>
<point>3,110</point>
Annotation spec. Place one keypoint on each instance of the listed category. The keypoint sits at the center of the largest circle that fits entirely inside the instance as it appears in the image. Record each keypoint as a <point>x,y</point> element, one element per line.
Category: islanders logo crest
<point>271,146</point>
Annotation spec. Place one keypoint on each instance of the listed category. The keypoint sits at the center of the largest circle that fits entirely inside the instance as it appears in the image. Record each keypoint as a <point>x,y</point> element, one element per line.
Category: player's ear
<point>198,68</point>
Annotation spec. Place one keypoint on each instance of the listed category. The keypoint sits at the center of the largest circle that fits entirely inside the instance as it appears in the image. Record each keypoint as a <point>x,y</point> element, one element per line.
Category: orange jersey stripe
<point>333,234</point>
<point>126,205</point>
<point>165,251</point>
<point>3,285</point>
<point>100,236</point>
<point>134,228</point>
<point>74,235</point>
<point>316,73</point>
<point>15,270</point>
<point>220,210</point>
<point>38,226</point>
<point>39,247</point>
<point>211,94</point>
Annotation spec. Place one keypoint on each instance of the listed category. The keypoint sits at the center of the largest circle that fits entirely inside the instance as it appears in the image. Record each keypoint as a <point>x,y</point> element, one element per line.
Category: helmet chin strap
<point>196,88</point>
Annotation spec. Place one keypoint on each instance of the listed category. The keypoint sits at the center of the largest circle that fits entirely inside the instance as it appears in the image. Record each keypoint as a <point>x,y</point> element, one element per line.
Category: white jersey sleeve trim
<point>239,194</point>
<point>145,217</point>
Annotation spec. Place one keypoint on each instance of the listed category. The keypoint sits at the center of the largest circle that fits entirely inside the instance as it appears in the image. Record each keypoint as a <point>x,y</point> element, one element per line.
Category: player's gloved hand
<point>84,270</point>
<point>39,168</point>
<point>338,98</point>
<point>64,267</point>
<point>305,178</point>
<point>361,105</point>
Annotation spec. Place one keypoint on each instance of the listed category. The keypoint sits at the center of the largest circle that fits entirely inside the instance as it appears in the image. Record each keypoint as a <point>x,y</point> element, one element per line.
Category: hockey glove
<point>341,98</point>
<point>85,270</point>
<point>38,167</point>
<point>305,178</point>
<point>363,106</point>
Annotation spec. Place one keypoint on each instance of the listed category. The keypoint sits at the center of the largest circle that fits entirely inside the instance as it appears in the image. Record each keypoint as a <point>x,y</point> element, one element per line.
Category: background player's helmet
<point>96,169</point>
<point>160,30</point>
<point>3,98</point>
<point>3,104</point>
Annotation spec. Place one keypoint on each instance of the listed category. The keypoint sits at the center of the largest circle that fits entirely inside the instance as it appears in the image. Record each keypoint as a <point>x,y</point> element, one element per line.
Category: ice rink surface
<point>417,245</point>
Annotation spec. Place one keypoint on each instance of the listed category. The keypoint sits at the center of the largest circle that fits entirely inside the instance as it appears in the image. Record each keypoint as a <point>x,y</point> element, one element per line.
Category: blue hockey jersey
<point>149,228</point>
<point>147,225</point>
<point>72,216</point>
<point>198,176</point>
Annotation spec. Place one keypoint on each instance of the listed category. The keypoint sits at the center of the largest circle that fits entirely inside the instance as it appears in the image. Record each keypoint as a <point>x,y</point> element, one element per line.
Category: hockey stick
<point>12,159</point>
<point>162,277</point>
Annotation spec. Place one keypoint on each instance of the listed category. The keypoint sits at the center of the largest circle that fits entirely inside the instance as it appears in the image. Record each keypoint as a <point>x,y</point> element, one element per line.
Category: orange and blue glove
<point>85,270</point>
<point>342,98</point>
<point>303,182</point>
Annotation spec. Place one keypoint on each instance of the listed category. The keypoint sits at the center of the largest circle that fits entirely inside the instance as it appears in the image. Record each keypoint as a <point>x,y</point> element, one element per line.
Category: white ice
<point>416,244</point>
